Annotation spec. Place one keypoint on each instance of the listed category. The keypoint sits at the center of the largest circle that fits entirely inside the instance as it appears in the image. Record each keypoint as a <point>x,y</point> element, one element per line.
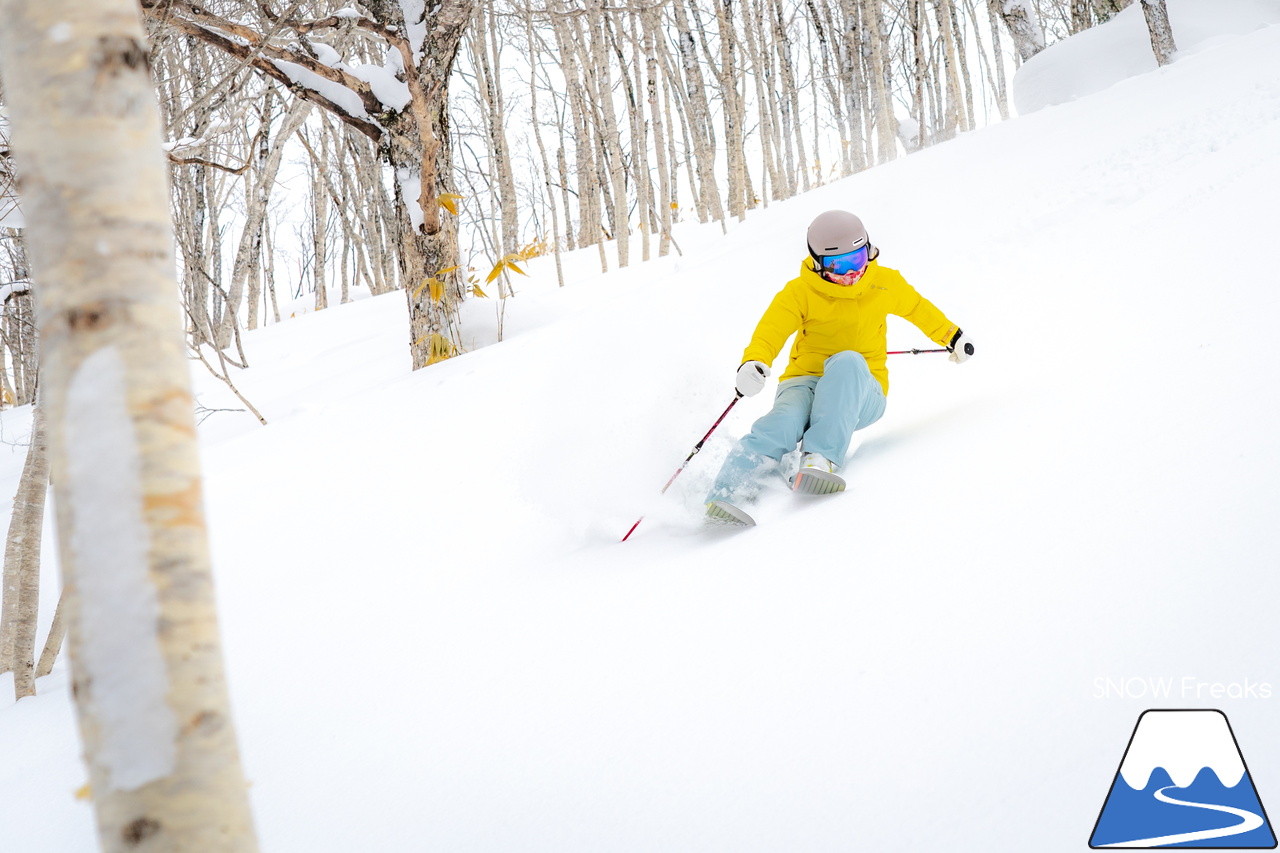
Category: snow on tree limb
<point>302,73</point>
<point>357,95</point>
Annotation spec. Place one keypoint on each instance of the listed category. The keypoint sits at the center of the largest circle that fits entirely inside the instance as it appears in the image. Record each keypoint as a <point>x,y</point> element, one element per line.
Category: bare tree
<point>1161,32</point>
<point>22,565</point>
<point>146,660</point>
<point>1020,17</point>
<point>410,127</point>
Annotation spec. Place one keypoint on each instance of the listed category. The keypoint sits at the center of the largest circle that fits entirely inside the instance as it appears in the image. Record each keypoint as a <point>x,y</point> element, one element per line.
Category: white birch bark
<point>1162,44</point>
<point>886,125</point>
<point>320,225</point>
<point>251,237</point>
<point>22,565</point>
<point>607,128</point>
<point>53,643</point>
<point>1020,17</point>
<point>149,689</point>
<point>701,129</point>
<point>542,149</point>
<point>955,115</point>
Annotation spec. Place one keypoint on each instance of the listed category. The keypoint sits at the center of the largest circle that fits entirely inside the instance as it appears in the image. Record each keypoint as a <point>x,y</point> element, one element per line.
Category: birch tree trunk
<point>584,148</point>
<point>53,643</point>
<point>886,125</point>
<point>22,565</point>
<point>701,129</point>
<point>1081,17</point>
<point>790,100</point>
<point>1024,26</point>
<point>542,151</point>
<point>607,121</point>
<point>732,110</point>
<point>1002,86</point>
<point>1161,32</point>
<point>915,11</point>
<point>953,111</point>
<point>149,689</point>
<point>320,225</point>
<point>1105,10</point>
<point>270,155</point>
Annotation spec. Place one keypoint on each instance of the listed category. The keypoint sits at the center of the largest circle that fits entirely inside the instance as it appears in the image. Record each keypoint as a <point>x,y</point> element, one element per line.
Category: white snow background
<point>436,642</point>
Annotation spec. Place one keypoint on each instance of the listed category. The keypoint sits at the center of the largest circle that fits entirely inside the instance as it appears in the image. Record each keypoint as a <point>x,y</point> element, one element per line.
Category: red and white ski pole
<point>692,453</point>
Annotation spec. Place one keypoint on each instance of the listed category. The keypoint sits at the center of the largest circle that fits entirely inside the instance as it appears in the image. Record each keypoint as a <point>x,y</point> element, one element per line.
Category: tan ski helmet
<point>835,233</point>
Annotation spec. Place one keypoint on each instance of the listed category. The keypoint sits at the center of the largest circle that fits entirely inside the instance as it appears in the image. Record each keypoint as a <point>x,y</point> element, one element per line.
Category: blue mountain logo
<point>1183,783</point>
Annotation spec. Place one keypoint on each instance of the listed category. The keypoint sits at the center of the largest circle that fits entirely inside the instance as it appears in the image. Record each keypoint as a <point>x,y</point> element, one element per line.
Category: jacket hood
<point>813,279</point>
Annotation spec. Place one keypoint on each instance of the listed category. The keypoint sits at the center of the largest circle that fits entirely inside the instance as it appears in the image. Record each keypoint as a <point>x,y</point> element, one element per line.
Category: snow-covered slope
<point>436,642</point>
<point>1106,54</point>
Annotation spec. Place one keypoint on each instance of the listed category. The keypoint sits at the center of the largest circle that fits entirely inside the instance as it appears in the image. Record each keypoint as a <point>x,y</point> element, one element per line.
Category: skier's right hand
<point>751,378</point>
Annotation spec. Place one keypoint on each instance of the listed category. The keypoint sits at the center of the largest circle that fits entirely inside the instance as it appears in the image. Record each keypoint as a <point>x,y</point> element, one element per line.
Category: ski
<point>815,481</point>
<point>723,512</point>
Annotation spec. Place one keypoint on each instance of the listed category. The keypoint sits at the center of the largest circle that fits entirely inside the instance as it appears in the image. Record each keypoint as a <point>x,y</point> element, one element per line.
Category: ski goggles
<point>855,261</point>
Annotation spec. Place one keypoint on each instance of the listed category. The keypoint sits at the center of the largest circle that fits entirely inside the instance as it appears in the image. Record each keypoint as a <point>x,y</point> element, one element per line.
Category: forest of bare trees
<point>317,149</point>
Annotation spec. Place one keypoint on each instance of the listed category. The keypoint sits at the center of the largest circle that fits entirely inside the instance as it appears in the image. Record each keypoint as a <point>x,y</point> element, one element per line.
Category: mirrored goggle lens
<point>849,262</point>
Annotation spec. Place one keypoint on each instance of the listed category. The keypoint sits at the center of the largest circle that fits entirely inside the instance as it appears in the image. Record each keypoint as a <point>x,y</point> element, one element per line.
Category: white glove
<point>961,347</point>
<point>751,378</point>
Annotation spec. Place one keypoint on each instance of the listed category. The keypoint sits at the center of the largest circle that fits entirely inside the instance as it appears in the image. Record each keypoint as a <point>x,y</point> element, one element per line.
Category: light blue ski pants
<point>821,413</point>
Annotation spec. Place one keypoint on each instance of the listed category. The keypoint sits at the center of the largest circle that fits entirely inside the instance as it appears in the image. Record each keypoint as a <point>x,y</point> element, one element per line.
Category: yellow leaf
<point>675,205</point>
<point>494,273</point>
<point>535,249</point>
<point>511,265</point>
<point>440,348</point>
<point>449,201</point>
<point>475,289</point>
<point>437,290</point>
<point>84,792</point>
<point>426,282</point>
<point>446,271</point>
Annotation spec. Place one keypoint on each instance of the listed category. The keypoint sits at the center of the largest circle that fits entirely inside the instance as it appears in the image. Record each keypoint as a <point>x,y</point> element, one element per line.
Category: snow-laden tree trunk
<point>22,565</point>
<point>1157,16</point>
<point>1020,17</point>
<point>146,661</point>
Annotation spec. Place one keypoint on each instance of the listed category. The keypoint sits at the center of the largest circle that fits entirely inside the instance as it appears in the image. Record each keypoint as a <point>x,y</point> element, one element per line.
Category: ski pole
<point>692,453</point>
<point>916,351</point>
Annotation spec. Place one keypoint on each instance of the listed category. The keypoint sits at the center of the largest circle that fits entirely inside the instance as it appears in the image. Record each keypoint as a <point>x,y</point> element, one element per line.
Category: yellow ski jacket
<point>829,318</point>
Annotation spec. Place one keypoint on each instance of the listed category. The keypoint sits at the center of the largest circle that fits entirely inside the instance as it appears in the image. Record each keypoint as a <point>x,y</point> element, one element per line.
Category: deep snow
<point>435,641</point>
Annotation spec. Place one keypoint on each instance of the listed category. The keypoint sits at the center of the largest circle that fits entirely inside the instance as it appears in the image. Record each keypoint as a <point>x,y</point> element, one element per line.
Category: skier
<point>836,381</point>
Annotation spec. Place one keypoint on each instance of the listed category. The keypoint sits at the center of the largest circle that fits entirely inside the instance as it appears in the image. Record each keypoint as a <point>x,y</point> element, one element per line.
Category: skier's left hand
<point>961,347</point>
